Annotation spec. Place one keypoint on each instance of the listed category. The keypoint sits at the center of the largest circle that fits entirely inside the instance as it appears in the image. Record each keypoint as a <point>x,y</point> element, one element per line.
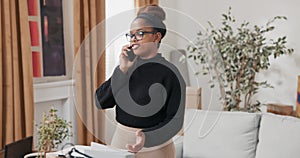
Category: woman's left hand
<point>140,141</point>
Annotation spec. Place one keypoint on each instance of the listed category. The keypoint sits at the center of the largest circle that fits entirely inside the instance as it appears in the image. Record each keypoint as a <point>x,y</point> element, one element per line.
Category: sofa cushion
<point>214,134</point>
<point>279,136</point>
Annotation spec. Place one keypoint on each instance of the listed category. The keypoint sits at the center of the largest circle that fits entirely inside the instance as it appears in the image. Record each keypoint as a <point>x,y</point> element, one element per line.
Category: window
<point>49,32</point>
<point>52,38</point>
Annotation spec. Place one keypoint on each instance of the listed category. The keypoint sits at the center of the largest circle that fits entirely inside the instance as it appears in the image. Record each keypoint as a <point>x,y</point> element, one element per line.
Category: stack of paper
<point>96,150</point>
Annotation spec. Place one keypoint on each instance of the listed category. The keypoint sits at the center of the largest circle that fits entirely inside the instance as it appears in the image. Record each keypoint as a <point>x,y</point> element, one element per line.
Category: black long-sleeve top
<point>140,77</point>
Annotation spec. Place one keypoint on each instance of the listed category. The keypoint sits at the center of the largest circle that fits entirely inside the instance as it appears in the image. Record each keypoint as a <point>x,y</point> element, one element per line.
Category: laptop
<point>19,148</point>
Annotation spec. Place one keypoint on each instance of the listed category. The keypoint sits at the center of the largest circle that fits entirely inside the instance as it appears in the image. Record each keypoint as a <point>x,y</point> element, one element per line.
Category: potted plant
<point>233,55</point>
<point>52,131</point>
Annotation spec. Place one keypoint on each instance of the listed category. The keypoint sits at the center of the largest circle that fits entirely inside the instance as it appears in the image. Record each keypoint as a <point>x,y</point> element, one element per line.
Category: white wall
<point>60,96</point>
<point>191,14</point>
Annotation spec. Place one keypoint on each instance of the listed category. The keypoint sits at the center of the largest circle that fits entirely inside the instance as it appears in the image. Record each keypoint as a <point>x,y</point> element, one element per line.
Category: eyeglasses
<point>138,35</point>
<point>74,150</point>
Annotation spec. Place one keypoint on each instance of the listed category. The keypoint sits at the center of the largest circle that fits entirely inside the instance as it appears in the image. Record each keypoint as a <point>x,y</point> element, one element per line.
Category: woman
<point>147,132</point>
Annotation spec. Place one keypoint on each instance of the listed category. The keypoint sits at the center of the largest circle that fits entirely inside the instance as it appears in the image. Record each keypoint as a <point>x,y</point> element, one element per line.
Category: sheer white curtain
<point>114,9</point>
<point>118,18</point>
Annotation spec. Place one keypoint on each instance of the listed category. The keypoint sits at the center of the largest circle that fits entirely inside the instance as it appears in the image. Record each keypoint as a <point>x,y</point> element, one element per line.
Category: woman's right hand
<point>125,64</point>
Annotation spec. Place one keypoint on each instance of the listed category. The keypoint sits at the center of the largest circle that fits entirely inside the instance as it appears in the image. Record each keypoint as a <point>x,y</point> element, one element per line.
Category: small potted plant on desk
<point>52,131</point>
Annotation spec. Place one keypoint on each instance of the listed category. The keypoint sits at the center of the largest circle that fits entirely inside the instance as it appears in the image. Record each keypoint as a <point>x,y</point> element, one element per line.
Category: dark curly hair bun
<point>154,16</point>
<point>154,10</point>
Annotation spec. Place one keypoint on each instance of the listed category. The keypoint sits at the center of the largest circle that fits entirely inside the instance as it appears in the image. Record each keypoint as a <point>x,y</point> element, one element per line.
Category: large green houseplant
<point>52,131</point>
<point>233,55</point>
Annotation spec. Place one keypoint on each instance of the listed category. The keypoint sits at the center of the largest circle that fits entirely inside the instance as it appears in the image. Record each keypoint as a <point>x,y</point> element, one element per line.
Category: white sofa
<point>213,134</point>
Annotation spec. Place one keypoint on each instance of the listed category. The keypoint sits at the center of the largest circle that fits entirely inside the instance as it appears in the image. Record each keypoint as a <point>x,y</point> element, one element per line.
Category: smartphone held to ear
<point>130,54</point>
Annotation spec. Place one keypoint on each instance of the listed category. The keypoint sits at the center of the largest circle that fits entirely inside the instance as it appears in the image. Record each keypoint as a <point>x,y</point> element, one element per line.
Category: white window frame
<point>68,43</point>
